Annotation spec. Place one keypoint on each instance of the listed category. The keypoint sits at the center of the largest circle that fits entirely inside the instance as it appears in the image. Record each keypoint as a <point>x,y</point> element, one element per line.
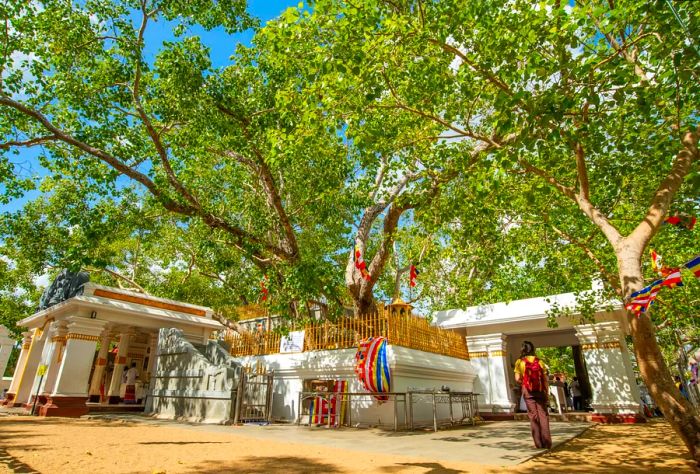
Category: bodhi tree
<point>593,104</point>
<point>102,100</point>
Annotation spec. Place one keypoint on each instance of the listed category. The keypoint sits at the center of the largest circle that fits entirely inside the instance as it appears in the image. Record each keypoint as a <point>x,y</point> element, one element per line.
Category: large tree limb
<point>166,201</point>
<point>667,189</point>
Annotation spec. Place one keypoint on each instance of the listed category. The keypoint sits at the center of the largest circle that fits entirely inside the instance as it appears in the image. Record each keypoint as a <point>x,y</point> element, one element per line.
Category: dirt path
<point>77,446</point>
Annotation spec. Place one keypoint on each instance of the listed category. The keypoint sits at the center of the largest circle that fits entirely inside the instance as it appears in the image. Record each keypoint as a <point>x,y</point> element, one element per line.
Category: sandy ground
<point>77,446</point>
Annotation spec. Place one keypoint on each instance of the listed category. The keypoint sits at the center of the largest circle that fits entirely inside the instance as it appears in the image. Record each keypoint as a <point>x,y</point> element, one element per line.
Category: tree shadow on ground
<point>432,468</point>
<point>648,442</point>
<point>265,465</point>
<point>13,464</point>
<point>182,442</point>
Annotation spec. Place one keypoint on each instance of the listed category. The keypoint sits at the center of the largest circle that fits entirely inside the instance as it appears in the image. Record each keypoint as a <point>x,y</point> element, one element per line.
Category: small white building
<point>60,360</point>
<point>495,332</point>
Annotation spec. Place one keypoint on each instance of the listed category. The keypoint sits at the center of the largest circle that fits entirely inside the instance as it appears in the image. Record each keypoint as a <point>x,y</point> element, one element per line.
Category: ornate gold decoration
<point>26,346</point>
<point>602,345</point>
<point>477,355</point>
<point>82,337</point>
<point>498,353</point>
<point>58,339</point>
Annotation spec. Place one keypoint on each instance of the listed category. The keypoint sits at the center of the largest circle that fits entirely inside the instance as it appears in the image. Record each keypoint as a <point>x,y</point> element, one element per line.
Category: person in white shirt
<point>131,375</point>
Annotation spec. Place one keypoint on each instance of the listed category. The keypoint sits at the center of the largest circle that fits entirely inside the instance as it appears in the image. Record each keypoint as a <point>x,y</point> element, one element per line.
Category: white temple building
<point>494,334</point>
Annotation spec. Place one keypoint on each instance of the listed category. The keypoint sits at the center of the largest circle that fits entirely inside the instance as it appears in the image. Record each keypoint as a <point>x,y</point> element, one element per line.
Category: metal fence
<point>254,400</point>
<point>463,407</point>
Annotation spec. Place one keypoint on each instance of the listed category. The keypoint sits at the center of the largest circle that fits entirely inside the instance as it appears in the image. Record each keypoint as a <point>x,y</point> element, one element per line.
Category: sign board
<point>292,342</point>
<point>41,371</point>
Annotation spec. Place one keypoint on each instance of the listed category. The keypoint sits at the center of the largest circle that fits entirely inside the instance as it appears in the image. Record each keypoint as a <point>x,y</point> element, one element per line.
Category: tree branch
<point>28,143</point>
<point>667,189</point>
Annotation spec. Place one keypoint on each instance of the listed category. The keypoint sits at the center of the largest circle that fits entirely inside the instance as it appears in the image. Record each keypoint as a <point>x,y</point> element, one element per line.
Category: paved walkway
<point>501,443</point>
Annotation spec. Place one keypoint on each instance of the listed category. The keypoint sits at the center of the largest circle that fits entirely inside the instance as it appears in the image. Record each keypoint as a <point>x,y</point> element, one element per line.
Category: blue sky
<point>222,46</point>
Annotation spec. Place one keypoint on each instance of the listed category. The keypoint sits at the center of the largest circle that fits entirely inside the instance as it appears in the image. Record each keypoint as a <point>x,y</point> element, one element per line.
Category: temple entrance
<point>602,362</point>
<point>561,352</point>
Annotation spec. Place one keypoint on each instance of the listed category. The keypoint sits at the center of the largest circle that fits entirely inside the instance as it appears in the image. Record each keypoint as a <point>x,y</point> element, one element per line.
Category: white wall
<point>409,369</point>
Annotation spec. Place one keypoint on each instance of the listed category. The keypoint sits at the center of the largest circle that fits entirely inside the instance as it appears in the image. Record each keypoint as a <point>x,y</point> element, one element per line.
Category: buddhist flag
<point>263,288</point>
<point>694,266</point>
<point>372,366</point>
<point>413,275</point>
<point>641,300</point>
<point>360,263</point>
<point>681,220</point>
<point>672,277</point>
<point>655,262</point>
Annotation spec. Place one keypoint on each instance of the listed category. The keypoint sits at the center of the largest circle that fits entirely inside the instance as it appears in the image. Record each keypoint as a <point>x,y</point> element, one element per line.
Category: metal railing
<point>466,402</point>
<point>463,407</point>
<point>348,398</point>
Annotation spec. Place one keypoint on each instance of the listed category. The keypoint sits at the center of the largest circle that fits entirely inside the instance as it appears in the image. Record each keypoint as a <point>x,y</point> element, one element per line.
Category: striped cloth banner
<point>372,367</point>
<point>319,410</point>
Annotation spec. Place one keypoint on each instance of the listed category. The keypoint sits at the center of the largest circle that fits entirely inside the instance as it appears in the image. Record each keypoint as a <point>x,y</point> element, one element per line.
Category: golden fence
<point>400,328</point>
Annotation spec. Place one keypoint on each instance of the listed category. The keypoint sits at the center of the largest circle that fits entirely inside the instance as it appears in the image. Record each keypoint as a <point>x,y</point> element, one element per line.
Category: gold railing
<point>401,329</point>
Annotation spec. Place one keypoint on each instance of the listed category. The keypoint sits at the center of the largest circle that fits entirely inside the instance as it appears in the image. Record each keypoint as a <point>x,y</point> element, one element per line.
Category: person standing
<point>130,393</point>
<point>576,392</point>
<point>531,373</point>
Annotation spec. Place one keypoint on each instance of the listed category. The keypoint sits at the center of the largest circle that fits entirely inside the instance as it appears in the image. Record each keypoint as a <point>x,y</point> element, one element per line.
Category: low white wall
<point>410,369</point>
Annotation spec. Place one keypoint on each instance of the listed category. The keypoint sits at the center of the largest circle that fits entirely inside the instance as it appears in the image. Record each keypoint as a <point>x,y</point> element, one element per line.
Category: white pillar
<point>58,341</point>
<point>70,390</point>
<point>19,368</point>
<point>613,384</point>
<point>26,380</point>
<point>100,365</point>
<point>119,366</point>
<point>488,355</point>
<point>6,345</point>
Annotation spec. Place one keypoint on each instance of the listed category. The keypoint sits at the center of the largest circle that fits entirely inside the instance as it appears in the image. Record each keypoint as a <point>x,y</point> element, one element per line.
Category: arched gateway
<point>494,334</point>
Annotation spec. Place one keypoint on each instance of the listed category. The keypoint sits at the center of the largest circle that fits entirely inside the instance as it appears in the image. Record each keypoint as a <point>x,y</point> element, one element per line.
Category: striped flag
<point>360,263</point>
<point>694,266</point>
<point>672,277</point>
<point>655,261</point>
<point>641,300</point>
<point>372,367</point>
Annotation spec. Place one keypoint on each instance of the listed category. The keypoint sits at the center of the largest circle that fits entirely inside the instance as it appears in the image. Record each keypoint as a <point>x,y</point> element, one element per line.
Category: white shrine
<point>60,362</point>
<point>494,335</point>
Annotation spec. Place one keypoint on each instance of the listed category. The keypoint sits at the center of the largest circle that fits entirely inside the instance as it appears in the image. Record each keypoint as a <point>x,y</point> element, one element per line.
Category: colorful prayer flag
<point>655,261</point>
<point>413,275</point>
<point>334,406</point>
<point>360,263</point>
<point>672,277</point>
<point>263,288</point>
<point>641,300</point>
<point>694,266</point>
<point>372,367</point>
<point>681,220</point>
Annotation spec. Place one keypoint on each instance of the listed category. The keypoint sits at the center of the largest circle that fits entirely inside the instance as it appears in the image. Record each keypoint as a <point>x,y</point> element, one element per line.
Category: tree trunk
<point>652,366</point>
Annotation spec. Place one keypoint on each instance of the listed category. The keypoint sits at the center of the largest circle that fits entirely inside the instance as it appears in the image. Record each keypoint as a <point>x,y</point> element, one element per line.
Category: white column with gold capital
<point>58,341</point>
<point>613,383</point>
<point>19,368</point>
<point>27,377</point>
<point>119,366</point>
<point>71,388</point>
<point>100,365</point>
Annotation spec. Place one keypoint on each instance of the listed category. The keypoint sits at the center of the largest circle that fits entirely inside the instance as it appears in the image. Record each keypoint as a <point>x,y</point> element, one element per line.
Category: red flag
<point>413,275</point>
<point>263,288</point>
<point>681,220</point>
<point>359,263</point>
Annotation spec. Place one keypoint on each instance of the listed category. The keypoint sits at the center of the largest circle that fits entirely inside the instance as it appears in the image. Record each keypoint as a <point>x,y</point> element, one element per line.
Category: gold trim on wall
<point>58,339</point>
<point>602,345</point>
<point>82,337</point>
<point>477,355</point>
